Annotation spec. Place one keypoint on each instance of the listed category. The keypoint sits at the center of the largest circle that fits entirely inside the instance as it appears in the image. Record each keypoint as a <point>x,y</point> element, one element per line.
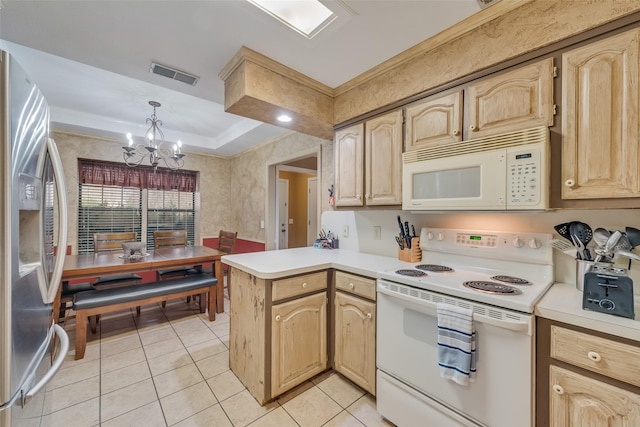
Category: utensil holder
<point>583,267</point>
<point>411,255</point>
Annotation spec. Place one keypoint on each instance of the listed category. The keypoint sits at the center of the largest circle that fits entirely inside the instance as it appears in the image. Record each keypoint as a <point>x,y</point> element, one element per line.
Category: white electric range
<point>500,276</point>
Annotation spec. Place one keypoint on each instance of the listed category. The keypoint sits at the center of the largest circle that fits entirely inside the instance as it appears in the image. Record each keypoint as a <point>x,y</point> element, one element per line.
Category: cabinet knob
<point>351,285</point>
<point>592,355</point>
<point>304,285</point>
<point>455,132</point>
<point>369,316</point>
<point>570,183</point>
<point>473,128</point>
<point>367,196</point>
<point>278,318</point>
<point>558,389</point>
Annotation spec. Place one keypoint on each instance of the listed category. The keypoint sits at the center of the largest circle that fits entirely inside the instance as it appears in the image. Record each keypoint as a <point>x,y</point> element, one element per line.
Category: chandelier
<point>134,154</point>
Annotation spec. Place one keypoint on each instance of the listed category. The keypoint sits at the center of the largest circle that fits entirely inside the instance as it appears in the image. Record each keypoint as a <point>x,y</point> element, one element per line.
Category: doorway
<point>301,222</point>
<point>283,213</point>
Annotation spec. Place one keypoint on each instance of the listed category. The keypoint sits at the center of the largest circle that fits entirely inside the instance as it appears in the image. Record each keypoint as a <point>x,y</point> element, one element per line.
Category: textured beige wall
<point>249,179</point>
<point>232,190</point>
<point>529,27</point>
<point>214,180</point>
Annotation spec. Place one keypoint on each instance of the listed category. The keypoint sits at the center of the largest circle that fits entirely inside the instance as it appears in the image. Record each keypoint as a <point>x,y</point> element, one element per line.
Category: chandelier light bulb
<point>134,155</point>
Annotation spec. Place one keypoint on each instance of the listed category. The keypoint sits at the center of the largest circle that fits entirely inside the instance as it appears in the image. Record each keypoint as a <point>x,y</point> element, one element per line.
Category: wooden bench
<point>96,302</point>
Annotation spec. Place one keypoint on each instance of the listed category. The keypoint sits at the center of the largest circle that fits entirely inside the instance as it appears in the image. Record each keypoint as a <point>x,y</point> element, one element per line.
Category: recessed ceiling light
<point>307,17</point>
<point>284,118</point>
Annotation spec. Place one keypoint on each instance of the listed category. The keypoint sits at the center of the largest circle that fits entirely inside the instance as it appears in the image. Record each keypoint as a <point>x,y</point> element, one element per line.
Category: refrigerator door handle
<point>58,174</point>
<point>62,354</point>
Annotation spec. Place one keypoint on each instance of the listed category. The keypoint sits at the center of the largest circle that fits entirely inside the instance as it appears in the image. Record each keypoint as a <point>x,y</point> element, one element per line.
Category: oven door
<point>407,360</point>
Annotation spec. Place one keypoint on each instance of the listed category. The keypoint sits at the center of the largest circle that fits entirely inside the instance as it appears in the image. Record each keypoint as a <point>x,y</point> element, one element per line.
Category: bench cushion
<point>97,298</point>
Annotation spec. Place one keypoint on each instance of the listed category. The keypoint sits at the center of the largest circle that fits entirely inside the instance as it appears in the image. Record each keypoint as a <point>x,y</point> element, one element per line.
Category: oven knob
<point>607,304</point>
<point>534,244</point>
<point>517,242</point>
<point>429,235</point>
<point>441,236</point>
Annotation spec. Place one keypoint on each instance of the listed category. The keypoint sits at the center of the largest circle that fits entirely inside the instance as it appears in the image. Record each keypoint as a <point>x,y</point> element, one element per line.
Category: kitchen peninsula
<point>281,304</point>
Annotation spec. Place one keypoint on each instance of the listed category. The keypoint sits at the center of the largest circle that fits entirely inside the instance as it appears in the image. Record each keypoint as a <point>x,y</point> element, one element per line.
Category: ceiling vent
<point>174,74</point>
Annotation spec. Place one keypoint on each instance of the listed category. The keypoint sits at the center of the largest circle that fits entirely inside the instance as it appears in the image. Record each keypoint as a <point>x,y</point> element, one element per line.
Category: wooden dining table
<point>84,266</point>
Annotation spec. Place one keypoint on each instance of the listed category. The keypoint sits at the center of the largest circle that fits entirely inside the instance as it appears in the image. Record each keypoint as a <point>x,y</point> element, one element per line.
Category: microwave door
<point>474,181</point>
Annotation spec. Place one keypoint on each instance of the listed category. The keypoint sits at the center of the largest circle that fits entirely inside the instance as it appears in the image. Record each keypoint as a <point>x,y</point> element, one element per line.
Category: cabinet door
<point>577,400</point>
<point>298,341</point>
<point>355,340</point>
<point>434,122</point>
<point>600,119</point>
<point>519,99</point>
<point>383,160</point>
<point>349,151</point>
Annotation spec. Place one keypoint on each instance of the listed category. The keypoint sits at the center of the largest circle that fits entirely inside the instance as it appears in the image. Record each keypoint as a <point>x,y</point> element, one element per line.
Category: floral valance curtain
<point>110,173</point>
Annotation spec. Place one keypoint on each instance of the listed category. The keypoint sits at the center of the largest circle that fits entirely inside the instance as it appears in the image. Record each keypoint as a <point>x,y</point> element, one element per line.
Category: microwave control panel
<point>526,167</point>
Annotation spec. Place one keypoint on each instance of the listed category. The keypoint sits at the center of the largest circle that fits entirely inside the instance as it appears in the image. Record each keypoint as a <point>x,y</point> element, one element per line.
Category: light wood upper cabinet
<point>434,122</point>
<point>383,160</point>
<point>299,341</point>
<point>349,166</point>
<point>519,99</point>
<point>355,340</point>
<point>600,107</point>
<point>368,167</point>
<point>577,400</point>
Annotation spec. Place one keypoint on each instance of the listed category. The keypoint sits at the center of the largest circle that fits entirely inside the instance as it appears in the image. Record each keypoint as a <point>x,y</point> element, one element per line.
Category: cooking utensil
<point>606,251</point>
<point>600,236</point>
<point>563,246</point>
<point>400,225</point>
<point>407,236</point>
<point>634,236</point>
<point>400,242</point>
<point>413,231</point>
<point>628,254</point>
<point>623,244</point>
<point>583,234</point>
<point>563,230</point>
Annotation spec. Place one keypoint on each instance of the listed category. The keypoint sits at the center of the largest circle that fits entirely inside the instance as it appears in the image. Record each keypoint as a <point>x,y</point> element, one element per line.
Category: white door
<point>312,211</point>
<point>283,213</point>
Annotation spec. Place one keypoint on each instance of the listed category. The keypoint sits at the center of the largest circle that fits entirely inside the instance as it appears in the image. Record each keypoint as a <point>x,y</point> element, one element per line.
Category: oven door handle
<point>431,308</point>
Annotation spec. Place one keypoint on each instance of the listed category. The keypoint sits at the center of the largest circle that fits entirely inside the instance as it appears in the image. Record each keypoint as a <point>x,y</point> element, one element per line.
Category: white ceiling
<point>91,58</point>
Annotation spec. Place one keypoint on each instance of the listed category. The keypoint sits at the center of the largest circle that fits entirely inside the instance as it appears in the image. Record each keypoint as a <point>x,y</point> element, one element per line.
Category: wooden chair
<point>226,243</point>
<point>168,239</point>
<point>111,242</point>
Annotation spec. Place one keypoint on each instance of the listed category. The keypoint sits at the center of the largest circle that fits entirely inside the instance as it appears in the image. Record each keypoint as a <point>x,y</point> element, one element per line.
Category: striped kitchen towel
<point>456,344</point>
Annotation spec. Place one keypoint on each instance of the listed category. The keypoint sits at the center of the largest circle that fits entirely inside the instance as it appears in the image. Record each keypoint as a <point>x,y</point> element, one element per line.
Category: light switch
<point>377,232</point>
<point>345,231</point>
<point>290,220</point>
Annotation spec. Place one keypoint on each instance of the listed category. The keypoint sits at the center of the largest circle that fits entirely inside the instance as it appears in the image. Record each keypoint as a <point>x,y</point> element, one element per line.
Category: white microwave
<point>502,172</point>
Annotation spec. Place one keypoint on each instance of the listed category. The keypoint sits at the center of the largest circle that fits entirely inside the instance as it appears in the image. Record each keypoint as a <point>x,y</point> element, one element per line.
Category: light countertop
<point>563,303</point>
<point>288,262</point>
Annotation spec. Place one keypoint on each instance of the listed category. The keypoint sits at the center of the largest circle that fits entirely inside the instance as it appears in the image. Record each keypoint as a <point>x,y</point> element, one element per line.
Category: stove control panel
<point>515,246</point>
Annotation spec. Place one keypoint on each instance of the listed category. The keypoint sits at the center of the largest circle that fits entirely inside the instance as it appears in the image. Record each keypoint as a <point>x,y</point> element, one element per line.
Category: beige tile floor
<point>170,367</point>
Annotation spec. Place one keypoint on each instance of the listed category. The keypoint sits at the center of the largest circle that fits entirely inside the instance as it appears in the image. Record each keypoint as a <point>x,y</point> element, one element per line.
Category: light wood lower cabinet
<point>585,378</point>
<point>277,331</point>
<point>577,400</point>
<point>298,341</point>
<point>355,340</point>
<point>354,335</point>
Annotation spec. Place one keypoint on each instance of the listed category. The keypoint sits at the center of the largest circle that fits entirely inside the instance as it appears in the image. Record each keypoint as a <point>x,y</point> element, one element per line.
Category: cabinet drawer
<point>298,285</point>
<point>358,285</point>
<point>600,355</point>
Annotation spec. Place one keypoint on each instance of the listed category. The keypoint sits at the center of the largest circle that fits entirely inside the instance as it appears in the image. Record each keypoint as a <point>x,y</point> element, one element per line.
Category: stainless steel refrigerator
<point>33,221</point>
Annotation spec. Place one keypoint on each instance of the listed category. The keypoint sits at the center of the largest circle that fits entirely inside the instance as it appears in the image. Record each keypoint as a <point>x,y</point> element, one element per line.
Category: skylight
<point>307,17</point>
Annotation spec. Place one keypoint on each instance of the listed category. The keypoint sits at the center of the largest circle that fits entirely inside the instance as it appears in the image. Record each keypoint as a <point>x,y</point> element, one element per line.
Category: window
<point>107,209</point>
<point>170,210</point>
<point>113,197</point>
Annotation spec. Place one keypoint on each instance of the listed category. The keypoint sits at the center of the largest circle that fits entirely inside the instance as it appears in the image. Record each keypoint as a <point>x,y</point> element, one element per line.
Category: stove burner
<point>512,280</point>
<point>492,287</point>
<point>433,267</point>
<point>410,272</point>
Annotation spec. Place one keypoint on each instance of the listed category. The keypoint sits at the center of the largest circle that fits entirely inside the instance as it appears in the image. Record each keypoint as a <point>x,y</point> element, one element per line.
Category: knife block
<point>411,255</point>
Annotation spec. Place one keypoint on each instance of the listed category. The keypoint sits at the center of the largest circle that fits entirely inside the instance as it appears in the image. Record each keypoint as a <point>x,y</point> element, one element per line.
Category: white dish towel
<point>456,344</point>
